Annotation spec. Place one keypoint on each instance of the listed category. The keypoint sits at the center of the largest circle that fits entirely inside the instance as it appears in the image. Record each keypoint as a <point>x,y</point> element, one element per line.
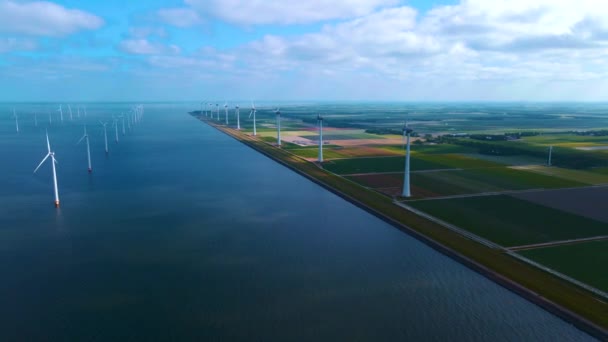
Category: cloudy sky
<point>385,50</point>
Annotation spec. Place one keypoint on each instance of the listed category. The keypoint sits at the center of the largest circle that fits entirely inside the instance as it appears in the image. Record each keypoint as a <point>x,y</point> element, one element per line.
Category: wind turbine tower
<point>60,113</point>
<point>226,110</point>
<point>217,111</point>
<point>238,118</point>
<point>70,109</point>
<point>86,136</point>
<point>253,113</point>
<point>320,121</point>
<point>406,177</point>
<point>105,134</point>
<point>116,129</point>
<point>16,120</point>
<point>278,113</point>
<point>53,162</point>
<point>550,155</point>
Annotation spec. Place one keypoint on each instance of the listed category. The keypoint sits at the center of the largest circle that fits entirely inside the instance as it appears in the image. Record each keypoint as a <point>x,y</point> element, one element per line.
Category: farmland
<point>585,261</point>
<point>479,167</point>
<point>510,221</point>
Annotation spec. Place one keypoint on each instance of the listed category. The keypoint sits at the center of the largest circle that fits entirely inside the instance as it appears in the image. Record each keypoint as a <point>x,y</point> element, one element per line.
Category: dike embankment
<point>564,300</point>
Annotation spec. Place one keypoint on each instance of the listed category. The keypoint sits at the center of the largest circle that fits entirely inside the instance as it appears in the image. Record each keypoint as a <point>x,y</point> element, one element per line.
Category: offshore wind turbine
<point>320,121</point>
<point>53,162</point>
<point>16,120</point>
<point>116,128</point>
<point>253,113</point>
<point>226,111</point>
<point>60,113</point>
<point>123,124</point>
<point>78,111</point>
<point>407,131</point>
<point>217,111</point>
<point>238,118</point>
<point>278,114</point>
<point>70,109</point>
<point>86,136</point>
<point>105,134</point>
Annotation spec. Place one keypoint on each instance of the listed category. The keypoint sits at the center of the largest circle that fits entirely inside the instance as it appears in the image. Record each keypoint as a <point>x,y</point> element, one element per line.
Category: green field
<point>511,222</point>
<point>379,164</point>
<point>559,139</point>
<point>351,136</point>
<point>457,161</point>
<point>585,262</point>
<point>314,153</point>
<point>515,160</point>
<point>580,175</point>
<point>459,182</point>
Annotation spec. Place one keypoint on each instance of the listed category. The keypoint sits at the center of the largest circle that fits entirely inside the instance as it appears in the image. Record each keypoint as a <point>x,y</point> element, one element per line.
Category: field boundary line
<point>452,227</point>
<point>513,254</point>
<point>590,288</point>
<point>558,243</point>
<point>505,192</point>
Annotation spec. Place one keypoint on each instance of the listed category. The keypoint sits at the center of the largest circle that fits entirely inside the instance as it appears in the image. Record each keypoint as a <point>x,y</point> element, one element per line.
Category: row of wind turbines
<point>60,110</point>
<point>131,119</point>
<point>208,110</point>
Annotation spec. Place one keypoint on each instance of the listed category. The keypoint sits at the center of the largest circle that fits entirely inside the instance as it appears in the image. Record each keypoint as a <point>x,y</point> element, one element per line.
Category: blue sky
<point>385,50</point>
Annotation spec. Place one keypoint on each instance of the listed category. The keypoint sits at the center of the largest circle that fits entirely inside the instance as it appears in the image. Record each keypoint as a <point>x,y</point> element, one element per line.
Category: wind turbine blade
<point>42,162</point>
<point>84,136</point>
<point>48,144</point>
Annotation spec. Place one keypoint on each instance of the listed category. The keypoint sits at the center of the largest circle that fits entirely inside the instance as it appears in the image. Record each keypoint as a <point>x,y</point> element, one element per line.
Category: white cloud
<point>42,18</point>
<point>14,44</point>
<point>180,17</point>
<point>473,41</point>
<point>248,12</point>
<point>145,47</point>
<point>140,32</point>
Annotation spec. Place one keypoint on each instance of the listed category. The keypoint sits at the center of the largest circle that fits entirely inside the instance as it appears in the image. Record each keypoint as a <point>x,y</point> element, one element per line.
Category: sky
<point>325,50</point>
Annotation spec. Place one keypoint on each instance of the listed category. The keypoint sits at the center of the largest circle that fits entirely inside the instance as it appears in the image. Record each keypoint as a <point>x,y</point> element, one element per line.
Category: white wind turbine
<point>105,134</point>
<point>16,120</point>
<point>550,155</point>
<point>123,124</point>
<point>53,162</point>
<point>60,113</point>
<point>278,113</point>
<point>226,111</point>
<point>320,121</point>
<point>217,111</point>
<point>70,109</point>
<point>115,124</point>
<point>253,113</point>
<point>86,136</point>
<point>407,131</point>
<point>238,118</point>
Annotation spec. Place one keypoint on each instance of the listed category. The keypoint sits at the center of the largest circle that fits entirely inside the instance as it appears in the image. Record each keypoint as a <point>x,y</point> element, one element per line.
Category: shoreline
<point>492,264</point>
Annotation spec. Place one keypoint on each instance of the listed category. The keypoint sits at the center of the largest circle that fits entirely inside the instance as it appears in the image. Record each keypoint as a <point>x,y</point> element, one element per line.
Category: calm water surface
<point>183,233</point>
